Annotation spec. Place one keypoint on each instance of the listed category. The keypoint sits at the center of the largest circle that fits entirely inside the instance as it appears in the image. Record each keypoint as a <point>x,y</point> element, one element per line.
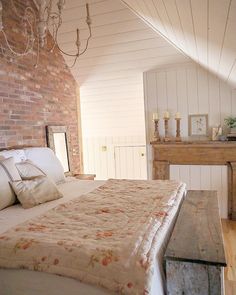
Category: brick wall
<point>32,98</point>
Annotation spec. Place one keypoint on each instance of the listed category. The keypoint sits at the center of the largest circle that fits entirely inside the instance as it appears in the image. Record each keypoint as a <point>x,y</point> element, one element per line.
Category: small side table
<point>85,176</point>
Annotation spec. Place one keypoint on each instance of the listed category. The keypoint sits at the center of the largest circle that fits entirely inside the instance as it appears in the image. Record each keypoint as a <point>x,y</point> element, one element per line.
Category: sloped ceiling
<point>205,30</point>
<point>121,41</point>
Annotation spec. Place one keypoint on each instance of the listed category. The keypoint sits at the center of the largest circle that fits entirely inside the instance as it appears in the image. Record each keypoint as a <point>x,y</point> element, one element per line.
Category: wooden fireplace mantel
<point>197,153</point>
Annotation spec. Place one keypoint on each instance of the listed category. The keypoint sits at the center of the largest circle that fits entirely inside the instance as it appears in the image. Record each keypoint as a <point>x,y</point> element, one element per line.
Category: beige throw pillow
<point>35,191</point>
<point>28,170</point>
<point>8,172</point>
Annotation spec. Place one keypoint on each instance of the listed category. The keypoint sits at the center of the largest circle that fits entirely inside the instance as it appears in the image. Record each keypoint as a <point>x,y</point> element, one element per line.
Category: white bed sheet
<point>25,282</point>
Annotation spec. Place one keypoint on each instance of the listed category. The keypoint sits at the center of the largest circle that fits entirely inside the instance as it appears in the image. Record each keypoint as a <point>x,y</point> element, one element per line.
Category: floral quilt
<point>106,237</point>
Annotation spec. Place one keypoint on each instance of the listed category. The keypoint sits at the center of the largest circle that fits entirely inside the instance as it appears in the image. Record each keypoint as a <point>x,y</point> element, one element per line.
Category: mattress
<point>24,282</point>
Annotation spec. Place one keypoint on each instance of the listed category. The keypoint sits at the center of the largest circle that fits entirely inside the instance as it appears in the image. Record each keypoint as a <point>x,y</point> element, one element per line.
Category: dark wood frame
<point>50,130</point>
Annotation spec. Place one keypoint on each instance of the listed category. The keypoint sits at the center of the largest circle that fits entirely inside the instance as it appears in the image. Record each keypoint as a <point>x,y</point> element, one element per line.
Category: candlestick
<point>178,137</point>
<point>156,132</point>
<point>166,138</point>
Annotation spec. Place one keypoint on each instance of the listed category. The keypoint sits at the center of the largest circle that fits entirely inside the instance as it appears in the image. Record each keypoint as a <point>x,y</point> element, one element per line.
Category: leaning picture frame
<point>58,141</point>
<point>198,125</point>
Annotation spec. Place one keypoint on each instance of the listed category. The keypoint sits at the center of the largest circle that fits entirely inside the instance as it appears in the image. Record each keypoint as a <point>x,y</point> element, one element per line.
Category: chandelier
<point>36,26</point>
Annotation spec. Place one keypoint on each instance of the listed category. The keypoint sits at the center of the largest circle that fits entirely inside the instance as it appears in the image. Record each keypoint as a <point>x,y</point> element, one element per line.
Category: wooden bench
<point>195,254</point>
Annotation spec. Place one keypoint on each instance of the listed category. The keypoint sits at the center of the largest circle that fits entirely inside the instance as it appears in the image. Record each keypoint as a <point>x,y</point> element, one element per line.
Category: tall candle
<point>166,115</point>
<point>155,116</point>
<point>177,115</point>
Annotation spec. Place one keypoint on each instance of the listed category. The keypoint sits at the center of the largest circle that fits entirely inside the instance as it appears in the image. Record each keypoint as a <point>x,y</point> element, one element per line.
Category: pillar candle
<point>166,115</point>
<point>177,115</point>
<point>155,116</point>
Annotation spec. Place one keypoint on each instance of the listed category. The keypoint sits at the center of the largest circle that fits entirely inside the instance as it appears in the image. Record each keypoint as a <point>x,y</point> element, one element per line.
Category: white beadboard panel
<point>110,73</point>
<point>204,178</point>
<point>130,162</point>
<point>115,157</point>
<point>189,89</point>
<point>202,29</point>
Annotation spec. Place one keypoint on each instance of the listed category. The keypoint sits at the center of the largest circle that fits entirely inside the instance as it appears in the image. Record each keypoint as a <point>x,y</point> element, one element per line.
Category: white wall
<point>112,114</point>
<point>110,75</point>
<point>190,89</point>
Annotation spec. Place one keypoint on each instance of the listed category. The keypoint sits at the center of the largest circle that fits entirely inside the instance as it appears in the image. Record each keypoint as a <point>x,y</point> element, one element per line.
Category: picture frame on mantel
<point>198,125</point>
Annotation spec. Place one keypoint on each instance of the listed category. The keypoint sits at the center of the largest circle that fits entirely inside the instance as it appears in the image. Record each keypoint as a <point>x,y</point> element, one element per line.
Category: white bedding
<point>24,282</point>
<point>71,189</point>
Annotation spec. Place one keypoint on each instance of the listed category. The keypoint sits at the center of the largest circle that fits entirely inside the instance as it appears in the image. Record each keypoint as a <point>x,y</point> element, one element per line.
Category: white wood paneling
<point>130,162</point>
<point>204,178</point>
<point>115,157</point>
<point>190,89</point>
<point>110,75</point>
<point>202,29</point>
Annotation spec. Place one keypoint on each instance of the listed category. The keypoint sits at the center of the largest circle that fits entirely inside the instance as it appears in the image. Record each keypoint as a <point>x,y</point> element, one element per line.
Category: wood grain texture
<point>201,153</point>
<point>193,278</point>
<point>161,170</point>
<point>85,176</point>
<point>197,236</point>
<point>229,233</point>
<point>233,190</point>
<point>197,153</point>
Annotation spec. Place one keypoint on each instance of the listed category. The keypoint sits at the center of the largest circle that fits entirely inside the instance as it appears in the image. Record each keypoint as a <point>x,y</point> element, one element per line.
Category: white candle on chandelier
<point>77,40</point>
<point>87,8</point>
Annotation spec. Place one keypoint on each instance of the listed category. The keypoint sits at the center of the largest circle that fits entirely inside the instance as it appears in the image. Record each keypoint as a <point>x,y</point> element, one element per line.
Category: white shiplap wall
<point>202,29</point>
<point>110,75</point>
<point>190,89</point>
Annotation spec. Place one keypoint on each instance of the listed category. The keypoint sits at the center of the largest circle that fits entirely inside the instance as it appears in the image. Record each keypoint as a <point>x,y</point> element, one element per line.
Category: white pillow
<point>28,169</point>
<point>8,172</point>
<point>46,160</point>
<point>18,155</point>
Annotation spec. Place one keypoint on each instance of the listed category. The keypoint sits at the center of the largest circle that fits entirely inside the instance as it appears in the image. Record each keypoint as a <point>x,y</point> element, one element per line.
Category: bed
<point>19,281</point>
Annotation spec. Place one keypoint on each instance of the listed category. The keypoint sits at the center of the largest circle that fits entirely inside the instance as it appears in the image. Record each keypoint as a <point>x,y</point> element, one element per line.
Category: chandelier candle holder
<point>37,24</point>
<point>178,119</point>
<point>155,118</point>
<point>166,118</point>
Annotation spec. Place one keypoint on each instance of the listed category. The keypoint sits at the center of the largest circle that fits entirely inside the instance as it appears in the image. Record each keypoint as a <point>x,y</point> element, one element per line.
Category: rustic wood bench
<point>195,255</point>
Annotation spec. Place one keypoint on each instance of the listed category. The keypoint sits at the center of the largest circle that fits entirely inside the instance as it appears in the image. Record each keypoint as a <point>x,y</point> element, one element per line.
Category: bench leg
<point>186,278</point>
<point>232,190</point>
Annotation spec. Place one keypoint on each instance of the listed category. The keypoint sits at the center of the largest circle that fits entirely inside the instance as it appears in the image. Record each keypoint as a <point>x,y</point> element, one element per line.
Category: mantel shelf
<point>196,142</point>
<point>197,153</point>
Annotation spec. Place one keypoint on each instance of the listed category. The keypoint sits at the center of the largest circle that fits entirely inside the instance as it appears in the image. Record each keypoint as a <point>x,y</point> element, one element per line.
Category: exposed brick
<point>31,99</point>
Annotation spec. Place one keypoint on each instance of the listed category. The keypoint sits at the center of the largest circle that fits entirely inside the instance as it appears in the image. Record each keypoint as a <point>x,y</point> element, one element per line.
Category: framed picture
<point>198,125</point>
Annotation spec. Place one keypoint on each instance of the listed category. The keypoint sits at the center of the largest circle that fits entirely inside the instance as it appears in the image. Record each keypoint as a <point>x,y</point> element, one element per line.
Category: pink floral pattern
<point>106,237</point>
